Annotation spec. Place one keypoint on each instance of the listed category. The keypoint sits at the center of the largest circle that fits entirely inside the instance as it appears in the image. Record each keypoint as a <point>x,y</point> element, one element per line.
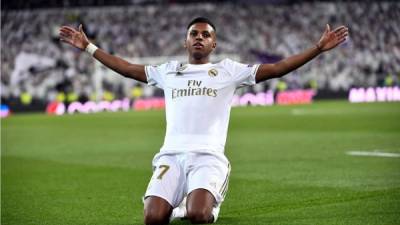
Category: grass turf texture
<point>288,166</point>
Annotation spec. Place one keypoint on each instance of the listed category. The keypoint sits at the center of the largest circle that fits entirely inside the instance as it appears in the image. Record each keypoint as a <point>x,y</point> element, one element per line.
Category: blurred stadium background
<point>93,169</point>
<point>37,69</point>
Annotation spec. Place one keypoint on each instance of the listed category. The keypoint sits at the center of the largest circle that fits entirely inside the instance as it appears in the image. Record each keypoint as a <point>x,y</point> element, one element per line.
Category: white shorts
<point>175,175</point>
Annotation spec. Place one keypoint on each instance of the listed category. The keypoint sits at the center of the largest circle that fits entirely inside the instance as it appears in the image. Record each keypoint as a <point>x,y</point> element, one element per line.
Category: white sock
<point>179,212</point>
<point>215,213</point>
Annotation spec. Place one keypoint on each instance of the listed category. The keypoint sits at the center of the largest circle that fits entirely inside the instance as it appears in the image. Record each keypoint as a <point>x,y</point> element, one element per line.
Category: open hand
<point>74,37</point>
<point>331,39</point>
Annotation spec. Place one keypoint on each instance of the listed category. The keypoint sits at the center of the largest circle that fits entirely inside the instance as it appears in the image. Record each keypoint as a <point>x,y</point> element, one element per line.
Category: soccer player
<point>191,172</point>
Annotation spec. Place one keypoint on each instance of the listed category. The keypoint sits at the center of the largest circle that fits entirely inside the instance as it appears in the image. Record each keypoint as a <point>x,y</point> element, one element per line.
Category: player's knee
<point>151,217</point>
<point>200,216</point>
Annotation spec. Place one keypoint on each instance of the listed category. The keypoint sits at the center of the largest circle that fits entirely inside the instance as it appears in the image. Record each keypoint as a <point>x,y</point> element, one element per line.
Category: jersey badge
<point>213,72</point>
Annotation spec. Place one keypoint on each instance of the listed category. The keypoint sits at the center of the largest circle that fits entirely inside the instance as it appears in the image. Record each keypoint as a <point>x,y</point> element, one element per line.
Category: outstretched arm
<point>79,40</point>
<point>329,40</point>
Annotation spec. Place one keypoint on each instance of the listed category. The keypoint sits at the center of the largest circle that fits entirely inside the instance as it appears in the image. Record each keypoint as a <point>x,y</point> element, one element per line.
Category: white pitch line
<point>376,153</point>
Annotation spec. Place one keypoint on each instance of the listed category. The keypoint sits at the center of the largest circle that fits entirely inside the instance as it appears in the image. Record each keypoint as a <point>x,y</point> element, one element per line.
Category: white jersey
<point>198,101</point>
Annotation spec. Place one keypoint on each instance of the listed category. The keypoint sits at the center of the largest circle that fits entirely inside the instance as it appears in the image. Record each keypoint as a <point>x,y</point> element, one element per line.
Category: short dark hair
<point>201,20</point>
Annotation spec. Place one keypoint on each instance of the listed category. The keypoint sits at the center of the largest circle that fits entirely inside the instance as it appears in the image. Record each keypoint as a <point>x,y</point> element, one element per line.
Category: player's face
<point>200,40</point>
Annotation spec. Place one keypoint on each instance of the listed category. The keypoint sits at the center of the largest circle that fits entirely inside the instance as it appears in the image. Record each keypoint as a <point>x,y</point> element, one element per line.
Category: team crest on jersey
<point>213,72</point>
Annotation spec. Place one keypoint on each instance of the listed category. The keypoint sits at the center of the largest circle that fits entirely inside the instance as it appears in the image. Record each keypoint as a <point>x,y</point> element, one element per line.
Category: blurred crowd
<point>35,64</point>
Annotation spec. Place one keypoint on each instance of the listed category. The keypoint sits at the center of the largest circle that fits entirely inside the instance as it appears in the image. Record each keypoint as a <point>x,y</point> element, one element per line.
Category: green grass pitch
<point>289,166</point>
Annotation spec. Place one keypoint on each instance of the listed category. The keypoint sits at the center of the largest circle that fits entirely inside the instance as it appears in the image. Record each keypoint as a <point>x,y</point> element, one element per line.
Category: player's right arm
<point>78,39</point>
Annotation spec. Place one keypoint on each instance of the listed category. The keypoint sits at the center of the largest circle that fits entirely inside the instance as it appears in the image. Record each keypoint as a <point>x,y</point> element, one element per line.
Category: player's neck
<point>203,60</point>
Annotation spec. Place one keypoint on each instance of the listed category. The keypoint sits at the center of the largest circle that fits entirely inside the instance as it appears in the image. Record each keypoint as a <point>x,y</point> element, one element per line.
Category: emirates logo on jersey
<point>194,88</point>
<point>213,72</point>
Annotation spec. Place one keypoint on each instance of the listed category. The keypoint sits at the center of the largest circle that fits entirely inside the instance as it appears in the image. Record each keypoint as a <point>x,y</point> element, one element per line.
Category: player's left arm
<point>329,40</point>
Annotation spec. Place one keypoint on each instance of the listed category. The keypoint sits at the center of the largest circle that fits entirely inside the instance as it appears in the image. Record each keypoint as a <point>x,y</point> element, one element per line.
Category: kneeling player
<point>198,99</point>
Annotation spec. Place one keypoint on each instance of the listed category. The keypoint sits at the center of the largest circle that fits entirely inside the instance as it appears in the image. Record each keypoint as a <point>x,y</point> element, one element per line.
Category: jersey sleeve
<point>156,74</point>
<point>242,74</point>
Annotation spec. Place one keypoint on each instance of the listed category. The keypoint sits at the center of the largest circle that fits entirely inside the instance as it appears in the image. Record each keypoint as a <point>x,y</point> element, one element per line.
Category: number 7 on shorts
<point>164,169</point>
